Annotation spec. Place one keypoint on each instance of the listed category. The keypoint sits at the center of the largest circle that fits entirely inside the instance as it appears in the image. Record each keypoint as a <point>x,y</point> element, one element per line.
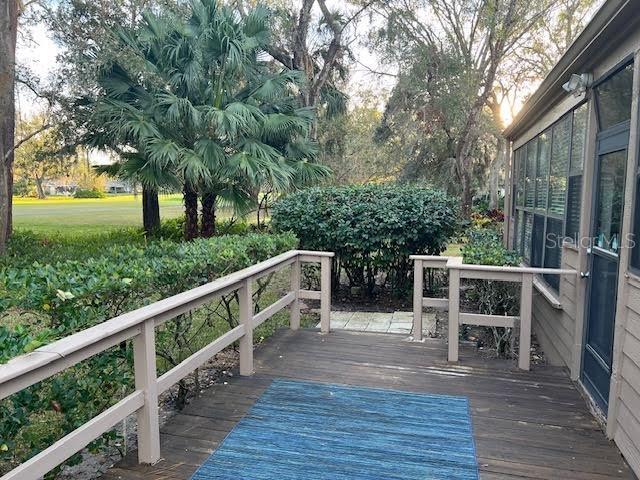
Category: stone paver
<point>339,320</point>
<point>381,322</point>
<point>402,317</point>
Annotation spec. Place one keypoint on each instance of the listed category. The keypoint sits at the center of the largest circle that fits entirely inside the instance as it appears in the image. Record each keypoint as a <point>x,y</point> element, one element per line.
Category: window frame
<point>635,206</point>
<point>567,238</point>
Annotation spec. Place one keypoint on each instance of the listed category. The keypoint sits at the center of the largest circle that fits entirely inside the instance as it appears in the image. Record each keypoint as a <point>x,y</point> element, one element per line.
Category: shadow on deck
<point>526,424</point>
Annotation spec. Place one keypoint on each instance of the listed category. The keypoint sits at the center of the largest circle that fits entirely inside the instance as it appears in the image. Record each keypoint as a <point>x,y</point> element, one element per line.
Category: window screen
<point>537,241</point>
<point>613,98</point>
<point>526,242</point>
<point>559,165</point>
<point>530,176</point>
<point>520,174</point>
<point>553,250</point>
<point>574,200</point>
<point>542,171</point>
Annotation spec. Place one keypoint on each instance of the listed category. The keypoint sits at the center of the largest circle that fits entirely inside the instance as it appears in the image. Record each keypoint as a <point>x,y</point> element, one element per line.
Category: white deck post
<point>144,358</point>
<point>418,273</point>
<point>454,313</point>
<point>245,301</point>
<point>295,288</point>
<point>325,294</point>
<point>526,294</point>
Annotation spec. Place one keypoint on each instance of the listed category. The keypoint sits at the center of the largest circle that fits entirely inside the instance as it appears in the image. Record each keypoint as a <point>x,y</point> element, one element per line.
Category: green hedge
<point>372,228</point>
<point>485,247</point>
<point>41,303</point>
<point>89,193</point>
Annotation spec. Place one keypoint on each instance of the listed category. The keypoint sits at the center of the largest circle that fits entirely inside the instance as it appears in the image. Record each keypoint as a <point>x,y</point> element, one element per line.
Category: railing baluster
<point>418,274</point>
<point>454,313</point>
<point>325,295</point>
<point>295,288</point>
<point>526,295</point>
<point>144,357</point>
<point>246,318</point>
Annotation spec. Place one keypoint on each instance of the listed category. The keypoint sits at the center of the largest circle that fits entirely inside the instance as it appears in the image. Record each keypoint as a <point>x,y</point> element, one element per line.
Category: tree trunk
<point>190,213</point>
<point>8,35</point>
<point>150,210</point>
<point>494,172</point>
<point>39,188</point>
<point>208,228</point>
<point>466,200</point>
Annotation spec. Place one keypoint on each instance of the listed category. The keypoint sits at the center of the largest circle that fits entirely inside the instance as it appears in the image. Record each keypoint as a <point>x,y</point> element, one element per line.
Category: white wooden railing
<point>139,325</point>
<point>458,270</point>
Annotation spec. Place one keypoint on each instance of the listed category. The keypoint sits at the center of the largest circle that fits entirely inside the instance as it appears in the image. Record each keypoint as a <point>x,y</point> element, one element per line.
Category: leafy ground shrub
<point>26,247</point>
<point>89,193</point>
<point>173,228</point>
<point>492,297</point>
<point>40,303</point>
<point>372,229</point>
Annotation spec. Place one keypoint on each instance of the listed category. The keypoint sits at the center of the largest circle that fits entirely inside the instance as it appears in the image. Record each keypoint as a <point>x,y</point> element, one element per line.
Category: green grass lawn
<point>453,250</point>
<point>87,215</point>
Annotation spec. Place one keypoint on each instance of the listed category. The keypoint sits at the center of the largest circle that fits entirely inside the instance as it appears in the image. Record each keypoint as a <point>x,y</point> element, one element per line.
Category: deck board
<point>526,424</point>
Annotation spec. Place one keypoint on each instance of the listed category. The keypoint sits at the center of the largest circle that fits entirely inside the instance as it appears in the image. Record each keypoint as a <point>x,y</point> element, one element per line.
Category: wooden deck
<point>526,424</point>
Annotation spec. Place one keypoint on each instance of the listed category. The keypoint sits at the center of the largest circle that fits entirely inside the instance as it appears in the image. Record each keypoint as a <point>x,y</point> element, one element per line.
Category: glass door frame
<point>614,139</point>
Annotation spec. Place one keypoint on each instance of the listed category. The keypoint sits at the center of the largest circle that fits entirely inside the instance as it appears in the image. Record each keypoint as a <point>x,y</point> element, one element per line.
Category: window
<point>559,165</point>
<point>613,98</point>
<point>526,242</point>
<point>537,241</point>
<point>520,169</point>
<point>548,184</point>
<point>542,170</point>
<point>574,200</point>
<point>519,231</point>
<point>553,250</point>
<point>530,174</point>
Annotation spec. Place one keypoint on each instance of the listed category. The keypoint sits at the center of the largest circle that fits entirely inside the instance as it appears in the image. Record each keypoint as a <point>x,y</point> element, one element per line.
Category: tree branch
<point>24,140</point>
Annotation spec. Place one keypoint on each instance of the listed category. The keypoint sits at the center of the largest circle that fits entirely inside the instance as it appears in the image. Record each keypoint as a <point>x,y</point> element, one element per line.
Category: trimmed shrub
<point>173,228</point>
<point>89,193</point>
<point>26,247</point>
<point>485,247</point>
<point>372,229</point>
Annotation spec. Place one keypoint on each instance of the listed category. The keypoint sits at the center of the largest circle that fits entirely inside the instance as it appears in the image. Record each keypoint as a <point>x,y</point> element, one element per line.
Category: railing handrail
<point>453,262</point>
<point>44,362</point>
<point>458,270</point>
<point>68,345</point>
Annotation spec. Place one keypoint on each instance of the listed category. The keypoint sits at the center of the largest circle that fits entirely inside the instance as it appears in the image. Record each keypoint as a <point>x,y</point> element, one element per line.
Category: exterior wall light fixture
<point>578,84</point>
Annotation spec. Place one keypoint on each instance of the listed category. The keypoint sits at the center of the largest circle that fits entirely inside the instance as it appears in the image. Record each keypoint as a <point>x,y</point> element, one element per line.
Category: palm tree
<point>197,103</point>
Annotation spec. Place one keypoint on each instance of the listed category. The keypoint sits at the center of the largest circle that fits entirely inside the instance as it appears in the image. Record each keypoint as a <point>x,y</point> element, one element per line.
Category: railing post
<point>526,293</point>
<point>295,288</point>
<point>325,294</point>
<point>454,313</point>
<point>418,274</point>
<point>245,300</point>
<point>144,358</point>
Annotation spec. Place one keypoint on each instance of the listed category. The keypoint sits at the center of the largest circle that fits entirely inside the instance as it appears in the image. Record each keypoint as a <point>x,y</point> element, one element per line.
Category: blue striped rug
<point>303,430</point>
